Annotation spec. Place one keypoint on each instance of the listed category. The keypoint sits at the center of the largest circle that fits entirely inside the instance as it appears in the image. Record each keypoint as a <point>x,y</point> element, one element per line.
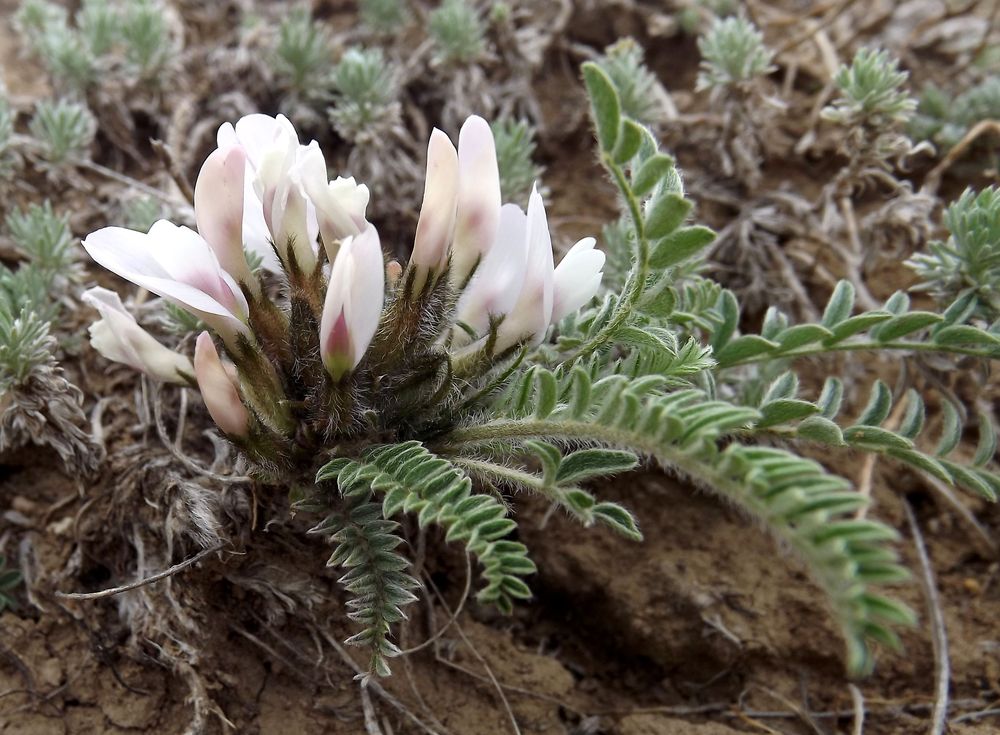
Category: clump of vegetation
<point>968,262</point>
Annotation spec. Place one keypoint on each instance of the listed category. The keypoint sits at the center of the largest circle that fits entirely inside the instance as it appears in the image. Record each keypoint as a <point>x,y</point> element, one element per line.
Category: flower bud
<point>218,209</point>
<point>353,306</point>
<point>437,212</point>
<point>218,390</point>
<point>478,210</point>
<point>118,337</point>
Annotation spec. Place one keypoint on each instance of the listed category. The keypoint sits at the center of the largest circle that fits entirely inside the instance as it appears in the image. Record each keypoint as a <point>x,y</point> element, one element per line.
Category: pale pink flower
<point>258,135</point>
<point>340,204</point>
<point>577,278</point>
<point>218,209</point>
<point>177,264</point>
<point>477,213</point>
<point>118,337</point>
<point>496,285</point>
<point>437,212</point>
<point>354,299</point>
<point>219,390</point>
<point>529,319</point>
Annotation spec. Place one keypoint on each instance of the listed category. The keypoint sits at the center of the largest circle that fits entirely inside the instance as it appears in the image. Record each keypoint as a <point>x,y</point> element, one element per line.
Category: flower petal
<point>577,278</point>
<point>496,285</point>
<point>119,338</point>
<point>437,212</point>
<point>218,390</point>
<point>478,208</point>
<point>218,208</point>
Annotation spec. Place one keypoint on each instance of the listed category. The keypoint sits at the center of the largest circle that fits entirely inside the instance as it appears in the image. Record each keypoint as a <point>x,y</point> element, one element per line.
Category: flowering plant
<point>372,389</point>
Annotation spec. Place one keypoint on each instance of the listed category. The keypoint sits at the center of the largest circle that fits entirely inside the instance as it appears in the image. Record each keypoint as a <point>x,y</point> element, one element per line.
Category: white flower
<point>494,288</point>
<point>258,135</point>
<point>340,204</point>
<point>118,337</point>
<point>530,317</point>
<point>218,208</point>
<point>437,212</point>
<point>177,264</point>
<point>577,278</point>
<point>219,390</point>
<point>353,306</point>
<point>477,214</point>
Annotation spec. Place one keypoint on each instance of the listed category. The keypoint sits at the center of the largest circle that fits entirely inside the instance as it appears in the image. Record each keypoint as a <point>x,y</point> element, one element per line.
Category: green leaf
<point>963,334</point>
<point>549,456</point>
<point>332,469</point>
<point>879,405</point>
<point>802,334</point>
<point>729,311</point>
<point>855,325</point>
<point>619,519</point>
<point>951,429</point>
<point>604,105</point>
<point>651,173</point>
<point>629,140</point>
<point>784,410</point>
<point>913,419</point>
<point>680,245</point>
<point>905,324</point>
<point>546,394</point>
<point>660,301</point>
<point>970,480</point>
<point>587,463</point>
<point>665,214</point>
<point>987,446</point>
<point>839,307</point>
<point>875,437</point>
<point>820,429</point>
<point>831,397</point>
<point>922,462</point>
<point>744,347</point>
<point>641,338</point>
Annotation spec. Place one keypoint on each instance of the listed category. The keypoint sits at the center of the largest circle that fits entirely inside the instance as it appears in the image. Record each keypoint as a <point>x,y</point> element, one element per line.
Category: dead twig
<point>142,582</point>
<point>939,638</point>
<point>933,180</point>
<point>371,722</point>
<point>454,616</point>
<point>858,700</point>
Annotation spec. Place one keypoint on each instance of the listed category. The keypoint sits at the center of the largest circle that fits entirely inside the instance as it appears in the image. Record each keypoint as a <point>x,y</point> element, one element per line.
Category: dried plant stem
<point>939,634</point>
<point>823,22</point>
<point>371,722</point>
<point>933,180</point>
<point>373,685</point>
<point>984,542</point>
<point>858,701</point>
<point>454,616</point>
<point>142,582</point>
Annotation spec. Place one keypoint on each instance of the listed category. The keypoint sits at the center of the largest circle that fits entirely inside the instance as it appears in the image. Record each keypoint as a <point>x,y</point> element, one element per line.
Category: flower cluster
<point>329,341</point>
